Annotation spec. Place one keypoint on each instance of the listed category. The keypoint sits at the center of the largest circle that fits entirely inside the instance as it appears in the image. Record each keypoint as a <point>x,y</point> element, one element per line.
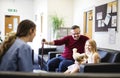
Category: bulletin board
<point>106,16</point>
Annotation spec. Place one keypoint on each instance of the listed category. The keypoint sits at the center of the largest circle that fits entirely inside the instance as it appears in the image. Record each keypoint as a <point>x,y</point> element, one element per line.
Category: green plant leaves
<point>57,22</point>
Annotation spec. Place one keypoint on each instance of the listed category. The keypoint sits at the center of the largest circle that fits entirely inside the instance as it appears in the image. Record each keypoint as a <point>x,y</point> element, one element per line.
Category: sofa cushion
<point>116,58</point>
<point>60,48</point>
<point>100,68</point>
<point>110,56</point>
<point>104,56</point>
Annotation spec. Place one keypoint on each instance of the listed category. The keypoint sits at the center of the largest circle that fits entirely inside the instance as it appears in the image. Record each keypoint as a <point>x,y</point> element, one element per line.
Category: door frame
<point>10,23</point>
<point>88,23</point>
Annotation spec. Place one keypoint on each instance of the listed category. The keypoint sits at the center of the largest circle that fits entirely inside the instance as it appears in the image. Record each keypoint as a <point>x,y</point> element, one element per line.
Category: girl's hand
<point>74,50</point>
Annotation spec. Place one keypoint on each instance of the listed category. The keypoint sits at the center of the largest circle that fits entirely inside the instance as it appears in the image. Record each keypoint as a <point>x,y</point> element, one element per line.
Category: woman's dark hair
<point>22,30</point>
<point>74,27</point>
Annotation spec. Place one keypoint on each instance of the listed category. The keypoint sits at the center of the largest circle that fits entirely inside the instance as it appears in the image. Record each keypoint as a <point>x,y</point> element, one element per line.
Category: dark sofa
<point>110,62</point>
<point>51,52</point>
<point>108,68</point>
<point>57,75</point>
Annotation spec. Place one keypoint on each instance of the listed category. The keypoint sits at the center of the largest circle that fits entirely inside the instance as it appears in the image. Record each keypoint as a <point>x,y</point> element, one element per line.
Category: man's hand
<point>46,42</point>
<point>43,40</point>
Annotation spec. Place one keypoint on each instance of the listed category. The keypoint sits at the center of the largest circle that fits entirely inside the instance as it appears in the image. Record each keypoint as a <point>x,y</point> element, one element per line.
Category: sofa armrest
<point>46,50</point>
<point>100,68</point>
<point>57,55</point>
<point>52,54</point>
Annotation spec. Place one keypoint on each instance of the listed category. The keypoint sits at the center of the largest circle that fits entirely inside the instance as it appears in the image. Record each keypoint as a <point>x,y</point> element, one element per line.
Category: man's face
<point>75,33</point>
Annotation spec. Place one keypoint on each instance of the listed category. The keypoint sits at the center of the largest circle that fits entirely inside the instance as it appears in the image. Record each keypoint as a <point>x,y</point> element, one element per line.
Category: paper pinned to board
<point>109,7</point>
<point>114,6</point>
<point>114,21</point>
<point>99,15</point>
<point>112,35</point>
<point>107,19</point>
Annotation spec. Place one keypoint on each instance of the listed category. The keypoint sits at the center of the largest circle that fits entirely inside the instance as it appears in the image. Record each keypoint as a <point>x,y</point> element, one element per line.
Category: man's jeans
<point>58,64</point>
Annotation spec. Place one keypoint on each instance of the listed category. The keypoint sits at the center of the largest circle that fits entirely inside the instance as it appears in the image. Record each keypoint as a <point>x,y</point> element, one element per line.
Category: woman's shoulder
<point>20,44</point>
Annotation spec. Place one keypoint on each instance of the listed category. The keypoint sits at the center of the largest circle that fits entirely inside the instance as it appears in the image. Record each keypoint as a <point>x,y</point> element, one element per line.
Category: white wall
<point>64,9</point>
<point>40,9</point>
<point>102,38</point>
<point>33,9</point>
<point>29,9</point>
<point>24,10</point>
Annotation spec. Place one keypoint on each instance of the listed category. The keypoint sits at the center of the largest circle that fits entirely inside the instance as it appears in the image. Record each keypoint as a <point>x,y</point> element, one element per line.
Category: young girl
<point>90,56</point>
<point>91,53</point>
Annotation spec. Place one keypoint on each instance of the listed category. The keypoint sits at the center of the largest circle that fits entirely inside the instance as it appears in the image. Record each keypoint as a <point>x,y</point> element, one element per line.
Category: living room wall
<point>71,10</point>
<point>102,38</point>
<point>63,9</point>
<point>33,10</point>
<point>24,10</point>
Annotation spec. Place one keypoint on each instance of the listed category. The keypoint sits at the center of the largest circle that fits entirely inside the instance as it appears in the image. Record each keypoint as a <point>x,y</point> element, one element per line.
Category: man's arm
<point>48,43</point>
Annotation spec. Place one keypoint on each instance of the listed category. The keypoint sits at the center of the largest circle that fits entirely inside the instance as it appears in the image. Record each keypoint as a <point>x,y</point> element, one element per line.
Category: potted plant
<point>57,22</point>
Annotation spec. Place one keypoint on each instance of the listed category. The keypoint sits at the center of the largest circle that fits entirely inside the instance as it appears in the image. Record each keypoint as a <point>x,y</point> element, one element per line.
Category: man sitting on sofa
<point>72,41</point>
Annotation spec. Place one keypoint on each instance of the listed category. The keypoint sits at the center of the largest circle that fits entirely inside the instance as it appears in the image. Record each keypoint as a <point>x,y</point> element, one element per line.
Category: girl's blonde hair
<point>93,45</point>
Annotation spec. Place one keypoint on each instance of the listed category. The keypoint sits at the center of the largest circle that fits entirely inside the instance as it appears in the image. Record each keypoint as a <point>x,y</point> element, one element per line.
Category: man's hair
<point>75,26</point>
